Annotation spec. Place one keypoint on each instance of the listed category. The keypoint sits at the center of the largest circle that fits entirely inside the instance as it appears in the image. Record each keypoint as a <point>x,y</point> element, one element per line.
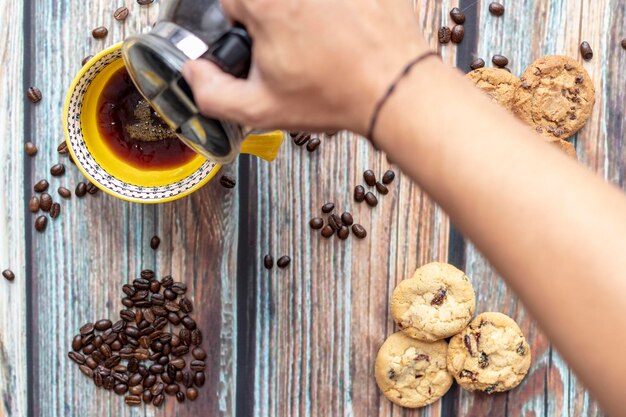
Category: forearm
<point>554,231</point>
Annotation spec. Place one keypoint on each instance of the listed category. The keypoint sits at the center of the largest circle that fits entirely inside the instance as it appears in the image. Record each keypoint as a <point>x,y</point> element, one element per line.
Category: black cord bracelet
<point>407,69</point>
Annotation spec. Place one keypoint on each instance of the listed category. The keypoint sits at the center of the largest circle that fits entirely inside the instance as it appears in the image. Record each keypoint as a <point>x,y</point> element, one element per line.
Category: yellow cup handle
<point>265,146</point>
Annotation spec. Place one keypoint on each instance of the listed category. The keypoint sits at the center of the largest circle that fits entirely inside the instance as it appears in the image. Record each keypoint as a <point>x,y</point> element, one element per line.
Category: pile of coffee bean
<point>305,138</point>
<point>42,200</point>
<point>141,356</point>
<point>360,194</point>
<point>283,262</point>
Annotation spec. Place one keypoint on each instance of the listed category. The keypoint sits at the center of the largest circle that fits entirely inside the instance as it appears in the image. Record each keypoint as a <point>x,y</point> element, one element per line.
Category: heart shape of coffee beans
<point>152,351</point>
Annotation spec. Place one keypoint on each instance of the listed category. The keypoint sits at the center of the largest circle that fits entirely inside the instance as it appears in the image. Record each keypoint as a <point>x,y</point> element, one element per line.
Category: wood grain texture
<point>100,243</point>
<point>13,301</point>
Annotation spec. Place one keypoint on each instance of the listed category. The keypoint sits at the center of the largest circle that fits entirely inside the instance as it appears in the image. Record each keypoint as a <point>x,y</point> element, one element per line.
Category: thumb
<point>217,93</point>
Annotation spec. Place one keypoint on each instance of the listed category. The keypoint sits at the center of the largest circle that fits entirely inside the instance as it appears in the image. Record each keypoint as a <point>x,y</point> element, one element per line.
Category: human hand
<point>318,65</point>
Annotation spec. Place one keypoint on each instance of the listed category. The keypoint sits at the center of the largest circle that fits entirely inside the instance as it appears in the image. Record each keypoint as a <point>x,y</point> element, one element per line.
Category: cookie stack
<point>416,366</point>
<point>555,96</point>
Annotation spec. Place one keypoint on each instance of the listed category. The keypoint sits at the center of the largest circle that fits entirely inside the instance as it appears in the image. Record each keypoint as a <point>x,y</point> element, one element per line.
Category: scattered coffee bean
<point>228,182</point>
<point>457,16</point>
<point>40,223</point>
<point>313,144</point>
<point>180,397</point>
<point>192,394</point>
<point>347,219</point>
<point>624,43</point>
<point>86,60</point>
<point>381,188</point>
<point>444,35</point>
<point>145,2</point>
<point>283,262</point>
<point>92,189</point>
<point>34,94</point>
<point>328,231</point>
<point>359,193</point>
<point>30,149</point>
<point>388,177</point>
<point>55,210</point>
<point>496,9</point>
<point>8,275</point>
<point>45,202</point>
<point>500,61</point>
<point>41,186</point>
<point>121,14</point>
<point>371,199</point>
<point>359,231</point>
<point>458,33</point>
<point>316,223</point>
<point>155,242</point>
<point>328,207</point>
<point>369,177</point>
<point>586,51</point>
<point>81,190</point>
<point>343,233</point>
<point>477,63</point>
<point>64,192</point>
<point>34,204</point>
<point>268,262</point>
<point>57,170</point>
<point>300,138</point>
<point>100,32</point>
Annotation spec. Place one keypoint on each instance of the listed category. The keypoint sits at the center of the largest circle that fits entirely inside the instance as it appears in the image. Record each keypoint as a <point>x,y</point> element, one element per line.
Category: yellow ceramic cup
<point>116,177</point>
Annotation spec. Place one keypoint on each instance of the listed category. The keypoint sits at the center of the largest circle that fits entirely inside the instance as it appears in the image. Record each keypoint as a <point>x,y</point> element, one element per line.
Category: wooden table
<point>294,342</point>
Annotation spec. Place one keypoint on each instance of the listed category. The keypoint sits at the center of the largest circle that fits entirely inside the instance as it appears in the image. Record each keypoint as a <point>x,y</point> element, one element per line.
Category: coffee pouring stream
<point>189,30</point>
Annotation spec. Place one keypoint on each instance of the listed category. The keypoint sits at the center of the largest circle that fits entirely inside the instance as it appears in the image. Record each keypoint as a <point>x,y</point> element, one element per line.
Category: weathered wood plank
<point>99,243</point>
<point>13,301</point>
<point>320,322</point>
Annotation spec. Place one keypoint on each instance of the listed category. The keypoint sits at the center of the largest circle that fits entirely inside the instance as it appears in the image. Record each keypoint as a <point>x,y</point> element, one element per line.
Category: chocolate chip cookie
<point>437,302</point>
<point>412,373</point>
<point>490,355</point>
<point>500,85</point>
<point>555,97</point>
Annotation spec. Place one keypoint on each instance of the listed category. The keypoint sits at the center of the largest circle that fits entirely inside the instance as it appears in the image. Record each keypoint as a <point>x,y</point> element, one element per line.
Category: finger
<point>234,10</point>
<point>219,94</point>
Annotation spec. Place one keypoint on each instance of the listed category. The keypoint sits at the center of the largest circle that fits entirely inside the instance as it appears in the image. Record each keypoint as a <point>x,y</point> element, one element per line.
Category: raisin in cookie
<point>556,97</point>
<point>499,84</point>
<point>490,355</point>
<point>437,302</point>
<point>411,373</point>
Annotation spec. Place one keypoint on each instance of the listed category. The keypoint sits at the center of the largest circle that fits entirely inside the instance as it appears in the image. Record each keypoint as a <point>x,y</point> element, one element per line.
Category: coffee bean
<point>98,341</point>
<point>313,144</point>
<point>347,219</point>
<point>388,177</point>
<point>328,231</point>
<point>477,63</point>
<point>158,400</point>
<point>120,368</point>
<point>500,61</point>
<point>196,337</point>
<point>116,345</point>
<point>316,223</point>
<point>197,365</point>
<point>81,189</point>
<point>113,361</point>
<point>45,202</point>
<point>57,170</point>
<point>91,363</point>
<point>92,189</point>
<point>100,32</point>
<point>132,400</point>
<point>300,138</point>
<point>145,2</point>
<point>369,177</point>
<point>283,262</point>
<point>86,60</point>
<point>167,379</point>
<point>167,281</point>
<point>444,34</point>
<point>34,204</point>
<point>199,379</point>
<point>180,397</point>
<point>127,302</point>
<point>328,207</point>
<point>159,323</point>
<point>457,16</point>
<point>30,149</point>
<point>34,94</point>
<point>359,231</point>
<point>172,389</point>
<point>186,306</point>
<point>155,242</point>
<point>87,329</point>
<point>624,43</point>
<point>334,221</point>
<point>228,182</point>
<point>87,371</point>
<point>121,14</point>
<point>359,193</point>
<point>106,351</point>
<point>458,33</point>
<point>141,284</point>
<point>146,396</point>
<point>586,51</point>
<point>76,357</point>
<point>496,9</point>
<point>190,324</point>
<point>77,341</point>
<point>62,149</point>
<point>192,394</point>
<point>172,306</point>
<point>185,338</point>
<point>198,353</point>
<point>179,288</point>
<point>343,233</point>
<point>155,288</point>
<point>178,363</point>
<point>64,192</point>
<point>187,379</point>
<point>55,210</point>
<point>120,389</point>
<point>135,379</point>
<point>371,199</point>
<point>103,325</point>
<point>118,326</point>
<point>41,186</point>
<point>149,381</point>
<point>87,339</point>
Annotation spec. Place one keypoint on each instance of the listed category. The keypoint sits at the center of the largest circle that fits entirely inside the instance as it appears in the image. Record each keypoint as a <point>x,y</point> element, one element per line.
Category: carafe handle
<point>232,52</point>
